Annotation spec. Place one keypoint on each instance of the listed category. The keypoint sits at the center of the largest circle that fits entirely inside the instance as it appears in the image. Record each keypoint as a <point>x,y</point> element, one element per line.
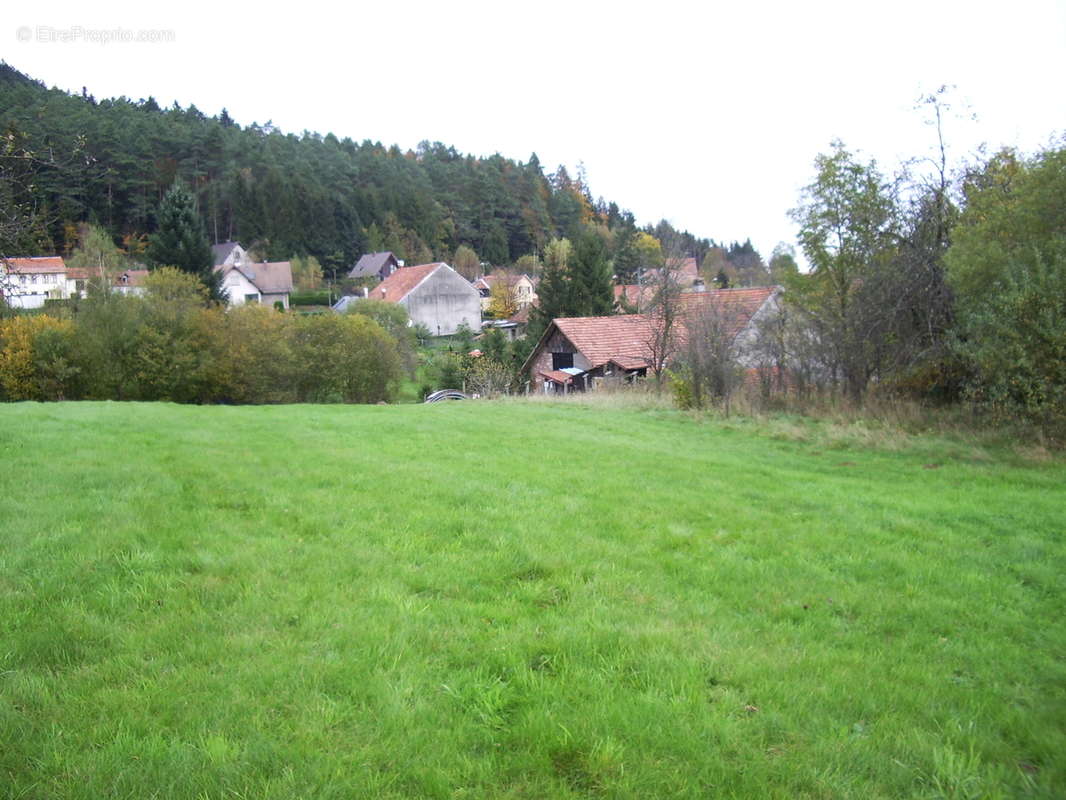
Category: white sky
<point>706,115</point>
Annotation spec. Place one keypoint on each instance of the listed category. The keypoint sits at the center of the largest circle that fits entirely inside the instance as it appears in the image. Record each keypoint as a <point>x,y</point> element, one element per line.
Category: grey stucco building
<point>435,295</point>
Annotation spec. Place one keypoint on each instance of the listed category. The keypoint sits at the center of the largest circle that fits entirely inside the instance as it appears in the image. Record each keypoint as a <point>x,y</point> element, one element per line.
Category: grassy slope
<point>477,600</point>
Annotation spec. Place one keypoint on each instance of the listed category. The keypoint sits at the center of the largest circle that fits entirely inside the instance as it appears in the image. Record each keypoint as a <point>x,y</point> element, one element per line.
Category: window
<point>251,298</point>
<point>562,360</point>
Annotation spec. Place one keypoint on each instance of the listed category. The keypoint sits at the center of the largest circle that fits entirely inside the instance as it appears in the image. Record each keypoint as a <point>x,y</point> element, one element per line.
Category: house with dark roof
<point>576,352</point>
<point>229,254</point>
<point>375,265</point>
<point>264,282</point>
<point>435,295</point>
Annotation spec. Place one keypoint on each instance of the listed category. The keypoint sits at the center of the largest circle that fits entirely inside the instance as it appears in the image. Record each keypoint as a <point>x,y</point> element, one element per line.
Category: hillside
<point>110,161</point>
<point>518,600</point>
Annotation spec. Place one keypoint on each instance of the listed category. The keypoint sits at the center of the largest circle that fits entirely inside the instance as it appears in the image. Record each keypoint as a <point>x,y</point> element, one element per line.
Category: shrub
<point>1007,264</point>
<point>344,358</point>
<point>681,385</point>
<point>251,355</point>
<point>1016,341</point>
<point>320,297</point>
<point>106,345</point>
<point>172,352</point>
<point>394,319</point>
<point>36,358</point>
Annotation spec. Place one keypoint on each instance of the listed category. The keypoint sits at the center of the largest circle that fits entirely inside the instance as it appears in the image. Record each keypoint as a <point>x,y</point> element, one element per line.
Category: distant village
<point>572,354</point>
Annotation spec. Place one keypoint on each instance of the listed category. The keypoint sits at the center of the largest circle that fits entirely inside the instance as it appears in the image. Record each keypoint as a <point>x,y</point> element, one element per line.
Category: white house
<point>76,280</point>
<point>131,282</point>
<point>266,282</point>
<point>229,254</point>
<point>28,282</point>
<point>247,281</point>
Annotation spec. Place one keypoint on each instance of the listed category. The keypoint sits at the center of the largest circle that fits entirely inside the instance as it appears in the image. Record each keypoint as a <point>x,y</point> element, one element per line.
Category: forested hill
<point>109,162</point>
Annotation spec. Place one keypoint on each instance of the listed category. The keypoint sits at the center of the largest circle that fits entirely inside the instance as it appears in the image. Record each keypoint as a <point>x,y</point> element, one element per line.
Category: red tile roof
<point>625,338</point>
<point>522,315</point>
<point>737,306</point>
<point>628,362</point>
<point>600,339</point>
<point>78,273</point>
<point>688,266</point>
<point>133,277</point>
<point>558,376</point>
<point>36,265</point>
<point>399,284</point>
<point>635,295</point>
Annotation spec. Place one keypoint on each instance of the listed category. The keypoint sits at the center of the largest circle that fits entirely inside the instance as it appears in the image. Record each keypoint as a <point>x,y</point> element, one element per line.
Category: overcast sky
<point>704,115</point>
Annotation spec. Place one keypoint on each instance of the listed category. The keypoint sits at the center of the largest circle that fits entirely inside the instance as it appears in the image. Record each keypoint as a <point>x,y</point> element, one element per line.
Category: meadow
<point>521,600</point>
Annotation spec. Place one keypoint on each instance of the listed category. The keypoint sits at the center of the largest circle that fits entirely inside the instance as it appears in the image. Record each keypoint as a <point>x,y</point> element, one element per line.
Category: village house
<point>684,272</point>
<point>264,282</point>
<point>524,290</point>
<point>376,265</point>
<point>631,297</point>
<point>575,353</point>
<point>28,282</point>
<point>229,254</point>
<point>247,281</point>
<point>435,295</point>
<point>513,328</point>
<point>637,297</point>
<point>77,280</point>
<point>505,326</point>
<point>130,282</point>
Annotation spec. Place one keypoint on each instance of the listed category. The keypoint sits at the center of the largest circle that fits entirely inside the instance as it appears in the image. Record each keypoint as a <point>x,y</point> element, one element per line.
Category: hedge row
<point>172,345</point>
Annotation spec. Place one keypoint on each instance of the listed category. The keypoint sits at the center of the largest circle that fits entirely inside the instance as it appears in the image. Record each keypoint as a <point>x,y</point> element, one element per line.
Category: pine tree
<point>592,293</point>
<point>180,240</point>
<point>554,292</point>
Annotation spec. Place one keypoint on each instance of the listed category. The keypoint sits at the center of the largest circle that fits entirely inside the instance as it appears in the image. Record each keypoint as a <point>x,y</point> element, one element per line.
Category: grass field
<point>520,600</point>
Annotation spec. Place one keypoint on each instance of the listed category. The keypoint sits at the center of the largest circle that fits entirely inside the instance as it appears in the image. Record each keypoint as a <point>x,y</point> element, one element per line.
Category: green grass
<point>519,600</point>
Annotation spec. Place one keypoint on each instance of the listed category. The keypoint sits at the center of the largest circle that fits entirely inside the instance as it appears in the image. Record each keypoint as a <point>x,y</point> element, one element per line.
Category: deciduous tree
<point>1007,263</point>
<point>98,255</point>
<point>848,232</point>
<point>664,310</point>
<point>706,368</point>
<point>466,262</point>
<point>502,303</point>
<point>306,273</point>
